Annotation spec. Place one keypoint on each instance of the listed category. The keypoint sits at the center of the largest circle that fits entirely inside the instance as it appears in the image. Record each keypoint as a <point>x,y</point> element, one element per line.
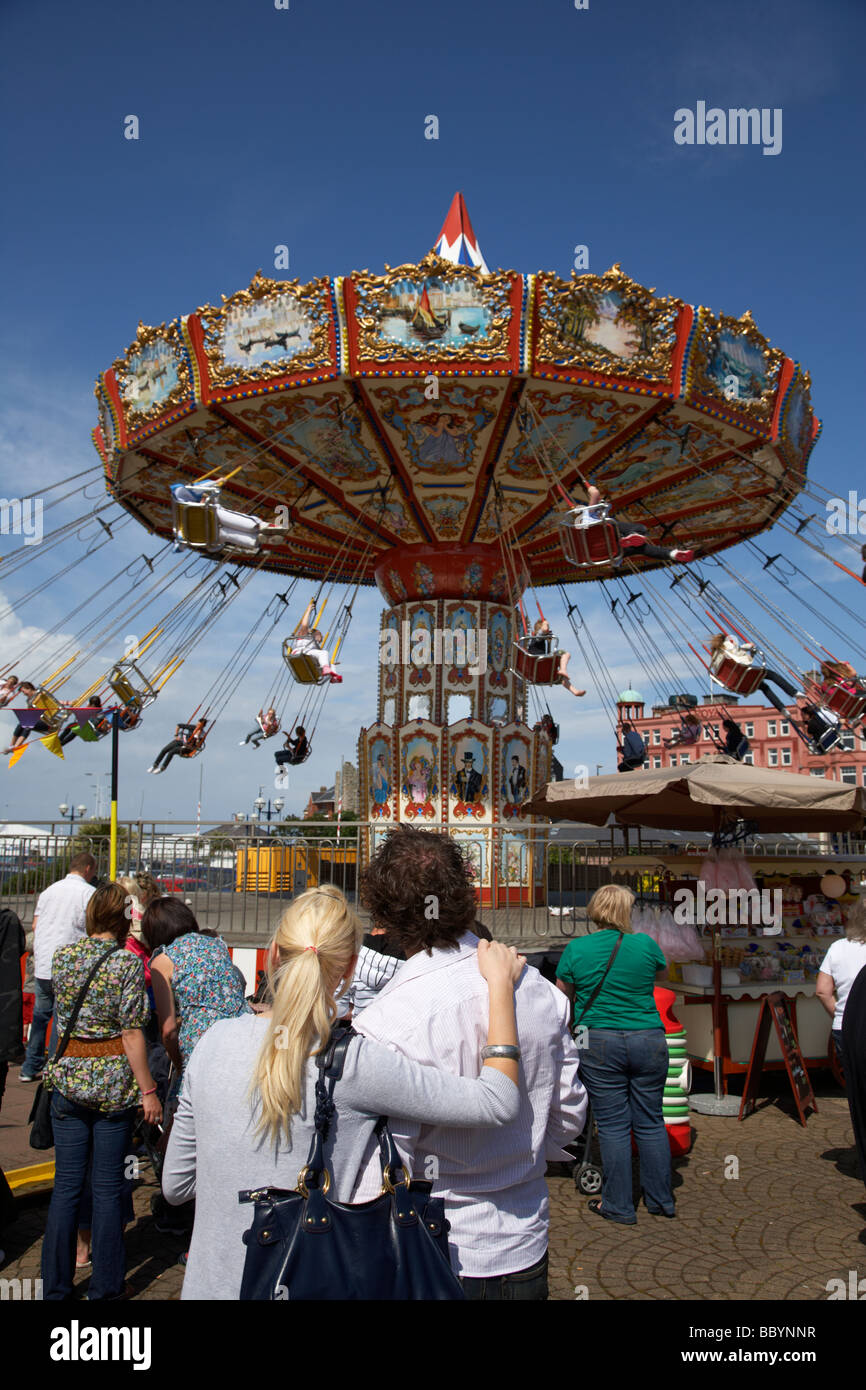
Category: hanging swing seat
<point>304,667</point>
<point>195,524</point>
<point>542,669</point>
<point>53,712</point>
<point>131,687</point>
<point>848,704</point>
<point>94,729</point>
<point>589,539</point>
<point>738,676</point>
<point>264,730</point>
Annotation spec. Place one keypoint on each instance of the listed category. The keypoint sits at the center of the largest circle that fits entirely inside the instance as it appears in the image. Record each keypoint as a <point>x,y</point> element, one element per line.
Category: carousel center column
<point>450,749</point>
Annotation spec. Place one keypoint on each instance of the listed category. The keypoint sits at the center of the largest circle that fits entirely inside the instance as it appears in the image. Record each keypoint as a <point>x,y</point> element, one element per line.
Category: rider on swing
<point>188,739</point>
<point>631,535</point>
<point>307,641</point>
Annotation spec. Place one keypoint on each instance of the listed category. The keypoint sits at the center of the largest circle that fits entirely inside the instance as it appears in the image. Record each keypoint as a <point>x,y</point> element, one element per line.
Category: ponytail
<point>315,940</point>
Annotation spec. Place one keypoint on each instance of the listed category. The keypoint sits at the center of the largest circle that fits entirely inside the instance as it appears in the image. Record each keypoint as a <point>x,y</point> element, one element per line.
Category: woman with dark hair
<point>97,1082</point>
<point>736,743</point>
<point>26,692</point>
<point>188,739</point>
<point>194,981</point>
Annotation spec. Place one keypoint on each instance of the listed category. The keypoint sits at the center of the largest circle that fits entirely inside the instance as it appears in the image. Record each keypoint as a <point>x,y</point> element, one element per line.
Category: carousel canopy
<point>442,404</point>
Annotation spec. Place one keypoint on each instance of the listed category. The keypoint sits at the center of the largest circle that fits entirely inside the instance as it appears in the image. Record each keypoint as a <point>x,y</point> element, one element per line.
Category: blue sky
<point>306,127</point>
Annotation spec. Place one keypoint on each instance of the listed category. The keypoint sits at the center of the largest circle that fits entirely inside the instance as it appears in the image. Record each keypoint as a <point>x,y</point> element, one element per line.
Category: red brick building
<point>774,742</point>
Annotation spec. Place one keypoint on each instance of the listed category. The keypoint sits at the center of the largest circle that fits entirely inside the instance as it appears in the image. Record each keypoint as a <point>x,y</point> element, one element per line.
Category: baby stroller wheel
<point>587,1179</point>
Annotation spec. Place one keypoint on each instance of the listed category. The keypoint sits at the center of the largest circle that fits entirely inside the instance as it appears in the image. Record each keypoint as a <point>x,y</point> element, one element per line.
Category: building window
<point>786,757</point>
<point>645,735</point>
<point>771,728</point>
<point>715,731</point>
<point>750,729</point>
<point>684,758</point>
<point>784,728</point>
<point>772,757</point>
<point>657,735</point>
<point>673,759</point>
<point>750,759</point>
<point>820,771</point>
<point>657,762</point>
<point>848,774</point>
<point>646,766</point>
<point>846,740</point>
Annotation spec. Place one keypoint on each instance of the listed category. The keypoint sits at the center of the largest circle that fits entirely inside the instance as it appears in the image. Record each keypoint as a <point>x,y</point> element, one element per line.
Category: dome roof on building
<point>630,697</point>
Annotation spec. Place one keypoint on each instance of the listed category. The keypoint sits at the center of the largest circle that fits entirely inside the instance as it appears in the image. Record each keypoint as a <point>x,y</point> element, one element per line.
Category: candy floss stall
<point>770,938</point>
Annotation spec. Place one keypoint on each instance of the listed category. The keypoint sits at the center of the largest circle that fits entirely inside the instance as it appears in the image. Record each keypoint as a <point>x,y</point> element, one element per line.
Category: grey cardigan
<point>212,1154</point>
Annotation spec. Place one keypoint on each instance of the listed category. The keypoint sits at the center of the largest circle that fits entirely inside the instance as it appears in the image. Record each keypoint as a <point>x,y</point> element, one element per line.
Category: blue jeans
<point>524,1286</point>
<point>83,1136</point>
<point>624,1073</point>
<point>43,1012</point>
<point>836,1034</point>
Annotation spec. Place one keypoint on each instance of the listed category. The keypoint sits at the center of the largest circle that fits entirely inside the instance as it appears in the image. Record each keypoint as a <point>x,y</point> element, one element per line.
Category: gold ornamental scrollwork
<point>292,325</point>
<point>733,361</point>
<point>153,374</point>
<point>399,295</point>
<point>581,320</point>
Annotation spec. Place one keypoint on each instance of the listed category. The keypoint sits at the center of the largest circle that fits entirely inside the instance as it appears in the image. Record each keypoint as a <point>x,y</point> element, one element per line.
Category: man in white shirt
<point>58,921</point>
<point>434,1011</point>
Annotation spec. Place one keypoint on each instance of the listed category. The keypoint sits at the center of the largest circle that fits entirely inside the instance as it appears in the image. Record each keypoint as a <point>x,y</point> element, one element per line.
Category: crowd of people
<point>484,1067</point>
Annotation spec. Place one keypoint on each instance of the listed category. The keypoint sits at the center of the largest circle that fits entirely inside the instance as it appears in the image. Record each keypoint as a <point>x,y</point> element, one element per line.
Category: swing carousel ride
<point>434,430</point>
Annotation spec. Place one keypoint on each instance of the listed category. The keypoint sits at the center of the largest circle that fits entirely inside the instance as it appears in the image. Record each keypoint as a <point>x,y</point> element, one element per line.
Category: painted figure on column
<point>468,785</point>
<point>380,780</point>
<point>419,778</point>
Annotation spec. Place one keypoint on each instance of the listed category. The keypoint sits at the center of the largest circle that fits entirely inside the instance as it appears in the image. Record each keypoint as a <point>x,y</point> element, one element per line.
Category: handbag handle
<point>76,1008</point>
<point>330,1062</point>
<point>597,991</point>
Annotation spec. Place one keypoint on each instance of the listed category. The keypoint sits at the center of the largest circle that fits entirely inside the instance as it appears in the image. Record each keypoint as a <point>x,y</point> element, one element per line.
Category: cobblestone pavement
<point>793,1218</point>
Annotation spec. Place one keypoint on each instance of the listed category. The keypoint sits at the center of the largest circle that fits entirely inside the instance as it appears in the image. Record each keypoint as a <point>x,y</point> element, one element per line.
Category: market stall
<point>813,894</point>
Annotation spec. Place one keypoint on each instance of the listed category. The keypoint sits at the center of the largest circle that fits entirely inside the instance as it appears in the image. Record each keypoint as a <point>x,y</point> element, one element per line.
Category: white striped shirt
<point>435,1011</point>
<point>373,971</point>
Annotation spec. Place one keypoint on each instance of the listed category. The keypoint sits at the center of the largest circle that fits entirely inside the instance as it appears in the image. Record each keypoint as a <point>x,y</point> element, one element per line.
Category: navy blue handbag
<point>305,1246</point>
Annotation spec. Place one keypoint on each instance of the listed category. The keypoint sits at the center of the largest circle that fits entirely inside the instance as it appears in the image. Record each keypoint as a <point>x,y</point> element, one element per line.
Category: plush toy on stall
<point>823,915</point>
<point>792,898</point>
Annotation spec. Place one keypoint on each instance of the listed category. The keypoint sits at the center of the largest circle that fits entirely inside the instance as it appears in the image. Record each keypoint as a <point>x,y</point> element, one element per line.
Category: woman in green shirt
<point>609,977</point>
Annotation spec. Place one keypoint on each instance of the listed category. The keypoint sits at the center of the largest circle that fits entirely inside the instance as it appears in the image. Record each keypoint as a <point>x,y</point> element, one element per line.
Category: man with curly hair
<point>418,888</point>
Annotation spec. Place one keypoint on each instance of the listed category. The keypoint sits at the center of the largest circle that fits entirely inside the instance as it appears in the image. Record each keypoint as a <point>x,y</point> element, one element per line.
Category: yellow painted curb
<point>34,1175</point>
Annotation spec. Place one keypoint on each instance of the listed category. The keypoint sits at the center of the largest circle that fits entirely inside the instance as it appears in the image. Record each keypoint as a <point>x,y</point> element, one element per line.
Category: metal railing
<point>238,879</point>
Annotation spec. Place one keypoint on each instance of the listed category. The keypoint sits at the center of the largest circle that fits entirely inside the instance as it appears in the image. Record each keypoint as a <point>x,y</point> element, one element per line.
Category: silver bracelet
<point>505,1050</point>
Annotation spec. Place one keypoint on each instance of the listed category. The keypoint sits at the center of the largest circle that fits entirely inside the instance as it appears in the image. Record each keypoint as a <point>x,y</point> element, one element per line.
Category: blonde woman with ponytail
<point>245,1118</point>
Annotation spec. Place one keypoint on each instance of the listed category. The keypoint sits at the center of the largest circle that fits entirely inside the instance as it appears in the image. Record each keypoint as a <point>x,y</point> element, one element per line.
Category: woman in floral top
<point>194,981</point>
<point>97,1083</point>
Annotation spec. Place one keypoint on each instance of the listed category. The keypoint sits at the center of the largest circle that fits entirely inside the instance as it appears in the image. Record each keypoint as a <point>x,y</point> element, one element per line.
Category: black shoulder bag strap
<point>76,1008</point>
<point>597,991</point>
<point>330,1062</point>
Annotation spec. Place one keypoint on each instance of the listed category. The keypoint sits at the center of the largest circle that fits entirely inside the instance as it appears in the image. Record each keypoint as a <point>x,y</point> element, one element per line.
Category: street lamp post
<point>260,805</point>
<point>69,812</point>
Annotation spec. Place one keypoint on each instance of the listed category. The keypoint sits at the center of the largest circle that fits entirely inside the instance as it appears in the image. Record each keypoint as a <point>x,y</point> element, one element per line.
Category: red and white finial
<point>457,241</point>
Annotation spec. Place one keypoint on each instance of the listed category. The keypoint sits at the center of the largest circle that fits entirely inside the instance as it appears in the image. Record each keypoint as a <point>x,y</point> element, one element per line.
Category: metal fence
<point>237,879</point>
